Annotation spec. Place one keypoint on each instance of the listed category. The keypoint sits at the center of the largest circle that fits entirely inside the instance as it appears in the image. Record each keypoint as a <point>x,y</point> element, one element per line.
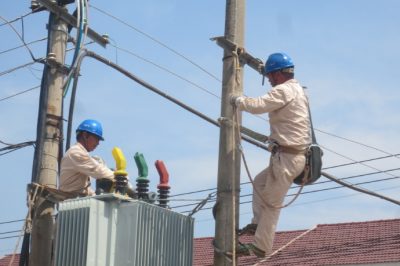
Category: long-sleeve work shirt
<point>77,166</point>
<point>287,106</point>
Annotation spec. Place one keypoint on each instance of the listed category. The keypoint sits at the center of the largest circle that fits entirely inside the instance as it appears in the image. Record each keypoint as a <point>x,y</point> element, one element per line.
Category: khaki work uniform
<point>77,166</point>
<point>289,121</point>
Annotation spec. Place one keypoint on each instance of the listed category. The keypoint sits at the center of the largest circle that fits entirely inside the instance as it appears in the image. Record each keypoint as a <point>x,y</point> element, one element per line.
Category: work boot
<point>256,251</point>
<point>249,229</point>
<point>241,251</point>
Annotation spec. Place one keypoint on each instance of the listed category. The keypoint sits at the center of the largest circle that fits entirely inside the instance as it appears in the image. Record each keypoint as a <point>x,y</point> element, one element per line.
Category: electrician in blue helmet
<point>77,166</point>
<point>287,107</point>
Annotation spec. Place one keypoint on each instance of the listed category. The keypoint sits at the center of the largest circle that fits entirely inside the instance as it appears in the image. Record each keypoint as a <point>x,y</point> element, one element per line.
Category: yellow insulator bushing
<point>120,162</point>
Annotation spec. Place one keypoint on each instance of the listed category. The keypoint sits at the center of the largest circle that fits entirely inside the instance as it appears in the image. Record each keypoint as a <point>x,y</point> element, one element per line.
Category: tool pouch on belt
<point>312,170</point>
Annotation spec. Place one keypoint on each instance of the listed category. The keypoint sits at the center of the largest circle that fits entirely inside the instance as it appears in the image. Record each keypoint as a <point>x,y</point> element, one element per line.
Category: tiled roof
<point>5,260</point>
<point>327,244</point>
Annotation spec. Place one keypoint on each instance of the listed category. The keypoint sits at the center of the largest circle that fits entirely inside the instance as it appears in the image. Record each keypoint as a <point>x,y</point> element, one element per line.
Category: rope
<point>27,227</point>
<point>235,136</point>
<point>286,245</point>
<point>251,179</point>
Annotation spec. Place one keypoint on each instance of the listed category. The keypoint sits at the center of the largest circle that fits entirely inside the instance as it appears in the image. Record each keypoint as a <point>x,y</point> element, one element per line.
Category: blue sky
<point>345,52</point>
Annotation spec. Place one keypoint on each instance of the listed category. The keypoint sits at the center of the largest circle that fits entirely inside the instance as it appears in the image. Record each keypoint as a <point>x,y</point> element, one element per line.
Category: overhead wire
<point>317,183</point>
<point>19,93</point>
<point>8,71</point>
<point>367,146</point>
<point>302,203</point>
<point>14,147</point>
<point>20,37</point>
<point>156,41</point>
<point>359,143</point>
<point>21,46</point>
<point>319,190</point>
<point>204,70</point>
<point>213,94</point>
<point>16,19</point>
<point>83,22</point>
<point>355,161</point>
<point>165,69</point>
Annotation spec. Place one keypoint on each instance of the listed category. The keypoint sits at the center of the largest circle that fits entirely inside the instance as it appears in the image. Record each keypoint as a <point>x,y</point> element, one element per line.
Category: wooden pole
<point>227,211</point>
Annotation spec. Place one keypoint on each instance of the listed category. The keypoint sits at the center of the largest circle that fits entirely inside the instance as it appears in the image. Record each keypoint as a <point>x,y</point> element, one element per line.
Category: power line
<point>362,161</point>
<point>9,237</point>
<point>19,93</point>
<point>15,147</point>
<point>167,70</point>
<point>17,67</point>
<point>16,19</point>
<point>309,202</point>
<point>40,60</point>
<point>9,232</point>
<point>20,37</point>
<point>359,143</point>
<point>12,221</point>
<point>317,183</point>
<point>20,46</point>
<point>192,62</point>
<point>309,192</point>
<point>348,158</point>
<point>156,41</point>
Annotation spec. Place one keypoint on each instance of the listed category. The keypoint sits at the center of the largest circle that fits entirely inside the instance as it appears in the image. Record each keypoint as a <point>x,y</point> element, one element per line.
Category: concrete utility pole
<point>49,136</point>
<point>227,211</point>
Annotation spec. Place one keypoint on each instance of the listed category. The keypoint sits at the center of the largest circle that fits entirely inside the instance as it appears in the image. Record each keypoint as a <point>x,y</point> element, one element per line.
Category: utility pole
<point>49,135</point>
<point>226,209</point>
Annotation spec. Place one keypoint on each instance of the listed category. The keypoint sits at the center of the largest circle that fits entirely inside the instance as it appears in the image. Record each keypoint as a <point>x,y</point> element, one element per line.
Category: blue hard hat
<point>277,61</point>
<point>91,126</point>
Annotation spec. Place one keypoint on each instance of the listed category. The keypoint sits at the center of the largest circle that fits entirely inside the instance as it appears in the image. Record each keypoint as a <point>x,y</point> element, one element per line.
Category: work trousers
<point>272,184</point>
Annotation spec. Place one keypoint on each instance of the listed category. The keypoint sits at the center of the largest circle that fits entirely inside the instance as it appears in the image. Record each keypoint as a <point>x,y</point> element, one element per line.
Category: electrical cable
<point>15,147</point>
<point>156,41</point>
<point>105,61</point>
<point>316,183</point>
<point>7,237</point>
<point>204,70</point>
<point>9,232</point>
<point>20,37</point>
<point>166,70</point>
<point>362,161</point>
<point>13,221</point>
<point>16,19</point>
<point>18,67</point>
<point>19,93</point>
<point>359,143</point>
<point>312,191</point>
<point>362,190</point>
<point>20,46</point>
<point>348,158</point>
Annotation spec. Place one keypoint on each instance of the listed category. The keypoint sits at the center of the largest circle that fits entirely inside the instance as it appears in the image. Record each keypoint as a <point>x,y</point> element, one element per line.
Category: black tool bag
<point>312,170</point>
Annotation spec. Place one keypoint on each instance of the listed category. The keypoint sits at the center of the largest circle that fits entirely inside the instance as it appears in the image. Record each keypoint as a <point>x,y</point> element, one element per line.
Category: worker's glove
<point>236,100</point>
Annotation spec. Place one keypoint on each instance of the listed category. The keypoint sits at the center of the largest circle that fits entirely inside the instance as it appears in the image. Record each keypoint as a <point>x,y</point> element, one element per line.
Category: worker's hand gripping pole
<point>120,174</point>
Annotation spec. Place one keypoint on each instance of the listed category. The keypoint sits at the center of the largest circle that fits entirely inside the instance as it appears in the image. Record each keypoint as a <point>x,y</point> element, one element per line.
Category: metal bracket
<point>71,20</point>
<point>244,56</point>
<point>53,63</point>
